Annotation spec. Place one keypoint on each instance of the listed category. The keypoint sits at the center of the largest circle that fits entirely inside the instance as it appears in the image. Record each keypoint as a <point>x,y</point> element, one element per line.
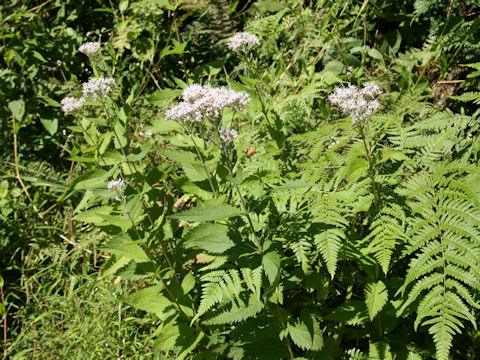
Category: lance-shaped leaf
<point>208,213</point>
<point>376,296</point>
<point>210,237</point>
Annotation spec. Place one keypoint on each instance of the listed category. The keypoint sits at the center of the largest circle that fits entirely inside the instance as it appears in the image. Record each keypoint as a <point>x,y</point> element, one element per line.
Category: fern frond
<point>301,249</point>
<point>446,240</point>
<point>238,312</point>
<point>387,230</point>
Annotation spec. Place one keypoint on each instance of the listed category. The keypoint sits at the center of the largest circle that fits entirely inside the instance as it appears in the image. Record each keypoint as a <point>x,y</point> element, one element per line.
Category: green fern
<point>225,286</point>
<point>387,230</point>
<point>445,239</point>
<point>327,212</point>
<point>239,312</point>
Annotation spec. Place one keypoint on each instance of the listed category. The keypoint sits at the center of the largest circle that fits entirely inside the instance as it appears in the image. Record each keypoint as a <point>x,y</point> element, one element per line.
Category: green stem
<point>264,111</point>
<point>371,172</point>
<point>203,164</point>
<point>244,208</point>
<point>150,256</point>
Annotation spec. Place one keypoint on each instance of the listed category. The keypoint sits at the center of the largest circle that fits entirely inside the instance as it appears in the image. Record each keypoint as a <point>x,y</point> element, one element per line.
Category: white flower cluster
<point>358,104</point>
<point>70,104</point>
<point>117,187</point>
<point>202,101</point>
<point>242,40</point>
<point>96,87</point>
<point>89,48</point>
<point>227,135</point>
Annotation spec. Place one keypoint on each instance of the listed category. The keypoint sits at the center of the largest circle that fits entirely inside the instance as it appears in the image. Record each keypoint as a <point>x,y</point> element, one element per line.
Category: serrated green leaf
<point>123,245</point>
<point>210,237</point>
<point>376,296</point>
<point>380,350</point>
<point>116,220</point>
<point>17,107</point>
<point>306,334</point>
<point>93,216</point>
<point>208,213</point>
<point>164,96</point>
<point>149,300</point>
<point>271,265</point>
<point>51,125</point>
<point>167,337</point>
<point>188,283</point>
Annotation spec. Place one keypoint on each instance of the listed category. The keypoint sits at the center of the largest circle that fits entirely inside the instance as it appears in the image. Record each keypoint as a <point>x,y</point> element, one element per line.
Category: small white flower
<point>117,187</point>
<point>194,92</point>
<point>184,111</point>
<point>202,100</point>
<point>227,135</point>
<point>96,87</point>
<point>59,63</point>
<point>370,90</point>
<point>242,40</point>
<point>358,104</point>
<point>70,104</point>
<point>89,48</point>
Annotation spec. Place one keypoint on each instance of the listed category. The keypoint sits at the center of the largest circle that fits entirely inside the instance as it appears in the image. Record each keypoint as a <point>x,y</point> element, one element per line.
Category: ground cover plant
<point>240,179</point>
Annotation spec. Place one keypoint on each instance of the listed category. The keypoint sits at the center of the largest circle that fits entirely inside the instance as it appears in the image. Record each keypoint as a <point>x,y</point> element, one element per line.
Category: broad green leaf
<point>210,237</point>
<point>208,213</point>
<point>149,300</point>
<point>120,139</point>
<point>351,312</point>
<point>374,53</point>
<point>140,152</point>
<point>143,48</point>
<point>271,265</point>
<point>94,216</point>
<point>116,220</point>
<point>194,172</point>
<point>113,265</point>
<point>306,334</point>
<point>376,296</point>
<point>380,350</point>
<point>17,107</point>
<point>111,157</point>
<point>188,350</point>
<point>165,126</point>
<point>90,179</point>
<point>3,189</point>
<point>188,283</point>
<point>164,96</point>
<point>51,125</point>
<point>180,156</point>
<point>123,6</point>
<point>123,245</point>
<point>167,337</point>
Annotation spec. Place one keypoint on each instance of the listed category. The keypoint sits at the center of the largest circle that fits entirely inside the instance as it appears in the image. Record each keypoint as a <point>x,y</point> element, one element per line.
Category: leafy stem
<point>243,204</point>
<point>202,159</point>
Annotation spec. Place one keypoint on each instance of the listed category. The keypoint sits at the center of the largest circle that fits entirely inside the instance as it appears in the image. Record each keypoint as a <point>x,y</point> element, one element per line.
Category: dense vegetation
<point>308,190</point>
